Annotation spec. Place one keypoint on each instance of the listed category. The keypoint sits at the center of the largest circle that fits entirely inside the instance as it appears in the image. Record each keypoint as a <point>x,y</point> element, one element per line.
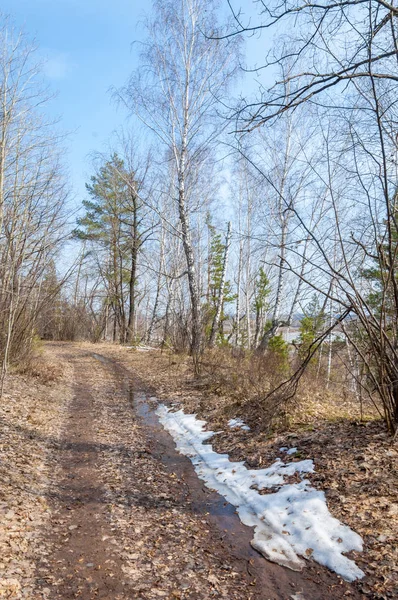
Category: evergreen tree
<point>215,271</point>
<point>311,325</point>
<point>111,223</point>
<point>262,291</point>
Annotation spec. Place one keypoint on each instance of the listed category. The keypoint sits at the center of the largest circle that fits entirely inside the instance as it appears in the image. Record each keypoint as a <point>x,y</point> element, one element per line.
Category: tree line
<point>222,223</point>
<point>33,194</point>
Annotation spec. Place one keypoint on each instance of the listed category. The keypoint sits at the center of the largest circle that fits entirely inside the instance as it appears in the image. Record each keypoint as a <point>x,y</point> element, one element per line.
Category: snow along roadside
<point>288,523</point>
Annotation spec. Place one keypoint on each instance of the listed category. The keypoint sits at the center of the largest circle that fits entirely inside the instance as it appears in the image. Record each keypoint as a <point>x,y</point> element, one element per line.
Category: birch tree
<point>342,57</point>
<point>220,292</point>
<point>182,77</point>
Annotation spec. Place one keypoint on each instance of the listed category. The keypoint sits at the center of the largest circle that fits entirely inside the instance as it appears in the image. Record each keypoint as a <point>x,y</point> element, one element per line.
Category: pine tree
<point>262,291</point>
<point>111,223</point>
<point>311,325</point>
<point>215,273</point>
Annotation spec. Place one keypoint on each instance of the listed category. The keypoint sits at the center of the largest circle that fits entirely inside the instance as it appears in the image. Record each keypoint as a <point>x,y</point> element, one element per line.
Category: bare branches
<point>287,390</point>
<point>331,45</point>
<point>32,197</point>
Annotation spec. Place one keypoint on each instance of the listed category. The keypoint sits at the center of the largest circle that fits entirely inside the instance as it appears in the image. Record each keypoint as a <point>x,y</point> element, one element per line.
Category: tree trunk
<point>189,255</point>
<point>169,305</point>
<point>133,272</point>
<point>220,300</point>
<point>267,336</point>
<point>158,288</point>
<point>238,297</point>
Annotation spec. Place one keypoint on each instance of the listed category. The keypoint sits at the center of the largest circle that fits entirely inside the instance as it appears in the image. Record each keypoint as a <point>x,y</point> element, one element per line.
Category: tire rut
<point>130,518</point>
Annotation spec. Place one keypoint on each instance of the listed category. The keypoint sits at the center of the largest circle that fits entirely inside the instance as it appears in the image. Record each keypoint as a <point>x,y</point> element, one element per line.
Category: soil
<point>121,514</point>
<point>356,463</point>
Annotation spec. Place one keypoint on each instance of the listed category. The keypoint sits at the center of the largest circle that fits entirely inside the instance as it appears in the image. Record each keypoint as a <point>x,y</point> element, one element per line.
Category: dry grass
<point>234,383</point>
<point>242,382</point>
<point>42,368</point>
<point>239,375</point>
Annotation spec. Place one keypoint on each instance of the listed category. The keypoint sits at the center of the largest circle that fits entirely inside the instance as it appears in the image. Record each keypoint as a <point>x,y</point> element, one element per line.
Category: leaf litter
<point>355,463</point>
<point>31,416</point>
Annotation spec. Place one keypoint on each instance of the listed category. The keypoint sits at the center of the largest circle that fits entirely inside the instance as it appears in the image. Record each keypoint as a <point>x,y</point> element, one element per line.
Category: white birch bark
<point>220,299</point>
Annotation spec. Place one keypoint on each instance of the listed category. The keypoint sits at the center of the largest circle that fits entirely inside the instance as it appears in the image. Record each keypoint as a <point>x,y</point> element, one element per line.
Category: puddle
<point>99,357</point>
<point>269,580</point>
<point>204,501</point>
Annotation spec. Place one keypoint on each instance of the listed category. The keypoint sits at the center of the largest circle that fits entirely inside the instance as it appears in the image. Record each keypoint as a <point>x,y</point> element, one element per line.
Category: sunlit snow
<point>238,424</point>
<point>290,522</point>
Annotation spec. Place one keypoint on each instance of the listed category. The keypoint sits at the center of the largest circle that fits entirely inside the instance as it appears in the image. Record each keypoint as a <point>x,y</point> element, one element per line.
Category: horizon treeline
<point>215,224</point>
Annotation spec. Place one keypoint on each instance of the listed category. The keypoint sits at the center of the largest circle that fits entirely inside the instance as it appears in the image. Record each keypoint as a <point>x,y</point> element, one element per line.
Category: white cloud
<point>57,65</point>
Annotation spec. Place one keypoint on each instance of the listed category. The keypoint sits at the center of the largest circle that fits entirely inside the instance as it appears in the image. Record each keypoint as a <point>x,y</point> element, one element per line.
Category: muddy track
<point>130,518</point>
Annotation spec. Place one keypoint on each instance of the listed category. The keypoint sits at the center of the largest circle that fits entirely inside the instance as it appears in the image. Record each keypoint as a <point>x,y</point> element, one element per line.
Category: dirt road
<point>130,519</point>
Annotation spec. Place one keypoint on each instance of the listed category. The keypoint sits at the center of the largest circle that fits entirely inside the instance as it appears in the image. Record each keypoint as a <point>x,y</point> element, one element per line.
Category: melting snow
<point>289,522</point>
<point>141,348</point>
<point>238,423</point>
<point>288,451</point>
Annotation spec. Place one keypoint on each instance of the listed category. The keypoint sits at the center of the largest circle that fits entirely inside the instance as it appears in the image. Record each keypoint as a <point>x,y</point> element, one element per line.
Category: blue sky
<point>88,47</point>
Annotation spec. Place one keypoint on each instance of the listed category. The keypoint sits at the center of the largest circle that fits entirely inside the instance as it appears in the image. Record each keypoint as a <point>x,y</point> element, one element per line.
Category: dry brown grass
<point>42,368</point>
<point>235,383</point>
<point>242,381</point>
<point>239,375</point>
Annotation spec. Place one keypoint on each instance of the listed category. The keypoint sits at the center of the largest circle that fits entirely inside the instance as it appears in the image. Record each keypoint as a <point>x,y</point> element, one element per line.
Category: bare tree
<point>340,59</point>
<point>322,67</point>
<point>175,93</point>
<point>32,196</point>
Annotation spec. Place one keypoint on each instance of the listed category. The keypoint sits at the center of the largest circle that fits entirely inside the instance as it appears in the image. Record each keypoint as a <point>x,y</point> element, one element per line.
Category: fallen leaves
<point>30,418</point>
<point>356,464</point>
<point>9,588</point>
<point>157,546</point>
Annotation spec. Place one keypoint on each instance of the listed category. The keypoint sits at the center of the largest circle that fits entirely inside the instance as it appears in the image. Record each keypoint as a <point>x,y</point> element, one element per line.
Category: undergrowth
<point>242,381</point>
<point>40,367</point>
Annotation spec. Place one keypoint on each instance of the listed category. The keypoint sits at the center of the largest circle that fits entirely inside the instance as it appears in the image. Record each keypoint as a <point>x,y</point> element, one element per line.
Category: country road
<point>130,519</point>
<point>198,300</point>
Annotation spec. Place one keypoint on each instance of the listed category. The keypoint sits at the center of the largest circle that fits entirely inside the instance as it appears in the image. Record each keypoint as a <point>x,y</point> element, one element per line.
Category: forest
<point>241,227</point>
<point>255,226</point>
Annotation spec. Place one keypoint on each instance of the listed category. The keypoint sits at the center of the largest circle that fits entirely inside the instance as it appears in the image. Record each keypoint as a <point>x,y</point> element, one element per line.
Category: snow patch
<point>238,424</point>
<point>288,451</point>
<point>291,521</point>
<point>141,348</point>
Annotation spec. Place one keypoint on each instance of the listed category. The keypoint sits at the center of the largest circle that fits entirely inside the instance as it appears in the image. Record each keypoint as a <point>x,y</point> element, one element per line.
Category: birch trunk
<point>133,271</point>
<point>158,288</point>
<point>220,299</point>
<point>238,296</point>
